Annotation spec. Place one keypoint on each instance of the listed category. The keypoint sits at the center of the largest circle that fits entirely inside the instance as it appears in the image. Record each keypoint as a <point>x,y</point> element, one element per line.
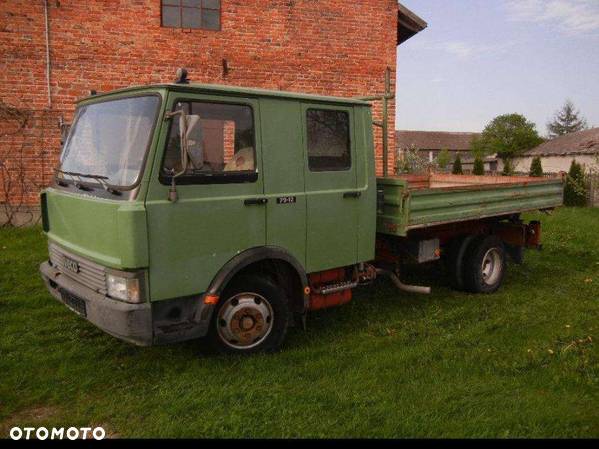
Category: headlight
<point>124,288</point>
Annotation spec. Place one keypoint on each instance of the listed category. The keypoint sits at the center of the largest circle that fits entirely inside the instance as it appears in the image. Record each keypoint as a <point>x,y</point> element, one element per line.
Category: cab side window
<point>220,144</point>
<point>329,147</point>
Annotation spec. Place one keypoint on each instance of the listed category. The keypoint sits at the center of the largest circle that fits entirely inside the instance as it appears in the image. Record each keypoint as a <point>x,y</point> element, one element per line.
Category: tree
<point>565,121</point>
<point>443,159</point>
<point>457,166</point>
<point>536,169</point>
<point>477,147</point>
<point>507,136</point>
<point>410,161</point>
<point>508,169</point>
<point>479,166</point>
<point>575,193</point>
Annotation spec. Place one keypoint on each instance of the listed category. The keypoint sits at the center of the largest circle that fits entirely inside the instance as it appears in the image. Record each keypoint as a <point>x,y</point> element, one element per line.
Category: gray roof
<point>579,143</point>
<point>434,140</point>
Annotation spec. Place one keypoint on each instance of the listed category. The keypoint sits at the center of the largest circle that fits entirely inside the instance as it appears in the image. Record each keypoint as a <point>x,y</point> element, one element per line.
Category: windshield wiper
<point>101,180</point>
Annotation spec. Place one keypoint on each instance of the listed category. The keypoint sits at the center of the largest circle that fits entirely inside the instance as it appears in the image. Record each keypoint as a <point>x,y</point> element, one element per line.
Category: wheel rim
<point>491,266</point>
<point>245,320</point>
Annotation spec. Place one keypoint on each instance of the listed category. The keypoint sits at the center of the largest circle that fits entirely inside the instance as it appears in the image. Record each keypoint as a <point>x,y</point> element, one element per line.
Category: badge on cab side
<point>286,200</point>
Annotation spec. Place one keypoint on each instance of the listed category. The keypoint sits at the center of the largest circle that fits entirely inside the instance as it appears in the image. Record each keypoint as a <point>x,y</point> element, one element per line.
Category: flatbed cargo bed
<point>407,202</point>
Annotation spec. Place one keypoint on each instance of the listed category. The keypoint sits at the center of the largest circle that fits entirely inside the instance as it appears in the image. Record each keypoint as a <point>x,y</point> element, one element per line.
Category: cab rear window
<point>328,140</point>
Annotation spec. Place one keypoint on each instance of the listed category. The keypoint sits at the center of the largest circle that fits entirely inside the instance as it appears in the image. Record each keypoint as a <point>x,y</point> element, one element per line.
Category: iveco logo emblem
<point>71,265</point>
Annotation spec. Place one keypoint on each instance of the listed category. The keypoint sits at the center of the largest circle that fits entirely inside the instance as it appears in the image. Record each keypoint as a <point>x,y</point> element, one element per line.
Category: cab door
<point>283,160</point>
<point>331,187</point>
<point>220,210</point>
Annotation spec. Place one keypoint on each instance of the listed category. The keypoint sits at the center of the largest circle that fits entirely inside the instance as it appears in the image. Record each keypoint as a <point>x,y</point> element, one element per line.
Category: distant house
<point>431,143</point>
<point>557,154</point>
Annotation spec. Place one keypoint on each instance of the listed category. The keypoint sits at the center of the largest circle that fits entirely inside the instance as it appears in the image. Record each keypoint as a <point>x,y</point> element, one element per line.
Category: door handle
<point>255,201</point>
<point>356,194</point>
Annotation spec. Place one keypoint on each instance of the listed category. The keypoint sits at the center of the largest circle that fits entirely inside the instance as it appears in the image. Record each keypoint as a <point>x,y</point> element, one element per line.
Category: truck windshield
<point>109,140</point>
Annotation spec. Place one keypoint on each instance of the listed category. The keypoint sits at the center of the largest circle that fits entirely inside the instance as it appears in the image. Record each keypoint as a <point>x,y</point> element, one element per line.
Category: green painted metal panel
<point>332,220</point>
<point>132,235</point>
<point>428,207</point>
<point>109,232</point>
<point>406,209</point>
<point>283,161</point>
<point>392,206</point>
<point>366,184</point>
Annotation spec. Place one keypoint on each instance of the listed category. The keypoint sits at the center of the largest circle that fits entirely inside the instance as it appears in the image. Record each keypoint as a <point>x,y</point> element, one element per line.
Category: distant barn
<point>430,143</point>
<point>557,154</point>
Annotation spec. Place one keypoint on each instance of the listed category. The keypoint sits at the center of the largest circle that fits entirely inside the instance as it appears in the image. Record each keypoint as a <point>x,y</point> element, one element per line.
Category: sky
<point>481,58</point>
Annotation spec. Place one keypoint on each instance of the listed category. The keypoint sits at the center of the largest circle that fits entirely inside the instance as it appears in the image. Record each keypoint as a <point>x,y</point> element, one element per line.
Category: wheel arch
<point>260,258</point>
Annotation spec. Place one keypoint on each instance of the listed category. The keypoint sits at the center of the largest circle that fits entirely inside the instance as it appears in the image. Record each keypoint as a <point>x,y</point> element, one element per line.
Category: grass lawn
<point>523,362</point>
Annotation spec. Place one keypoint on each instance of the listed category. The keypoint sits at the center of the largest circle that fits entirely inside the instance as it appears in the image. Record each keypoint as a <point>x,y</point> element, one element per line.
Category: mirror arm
<point>172,192</point>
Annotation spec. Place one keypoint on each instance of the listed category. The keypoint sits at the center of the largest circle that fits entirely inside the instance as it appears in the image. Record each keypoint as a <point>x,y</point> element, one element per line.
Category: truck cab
<point>183,211</point>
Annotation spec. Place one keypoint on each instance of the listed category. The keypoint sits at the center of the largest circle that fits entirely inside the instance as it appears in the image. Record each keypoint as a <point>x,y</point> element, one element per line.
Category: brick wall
<point>330,47</point>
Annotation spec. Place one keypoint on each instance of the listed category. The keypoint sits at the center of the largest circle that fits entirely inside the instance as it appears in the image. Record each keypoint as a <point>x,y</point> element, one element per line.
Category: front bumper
<point>129,322</point>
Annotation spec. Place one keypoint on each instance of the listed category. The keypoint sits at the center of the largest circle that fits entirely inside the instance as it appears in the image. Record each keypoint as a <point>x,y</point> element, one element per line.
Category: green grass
<point>520,363</point>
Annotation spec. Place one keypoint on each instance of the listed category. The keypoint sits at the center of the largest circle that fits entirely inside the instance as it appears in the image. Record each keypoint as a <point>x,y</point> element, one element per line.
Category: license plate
<point>77,305</point>
<point>71,265</point>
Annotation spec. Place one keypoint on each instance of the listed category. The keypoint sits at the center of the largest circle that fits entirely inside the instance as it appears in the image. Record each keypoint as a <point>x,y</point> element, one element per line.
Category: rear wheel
<point>252,316</point>
<point>454,261</point>
<point>484,265</point>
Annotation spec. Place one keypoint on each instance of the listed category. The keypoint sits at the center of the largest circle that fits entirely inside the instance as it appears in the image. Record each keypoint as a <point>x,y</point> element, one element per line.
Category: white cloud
<point>570,16</point>
<point>468,50</point>
<point>460,49</point>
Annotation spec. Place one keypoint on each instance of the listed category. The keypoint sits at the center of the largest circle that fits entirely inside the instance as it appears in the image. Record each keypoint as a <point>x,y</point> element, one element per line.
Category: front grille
<point>75,303</point>
<point>88,273</point>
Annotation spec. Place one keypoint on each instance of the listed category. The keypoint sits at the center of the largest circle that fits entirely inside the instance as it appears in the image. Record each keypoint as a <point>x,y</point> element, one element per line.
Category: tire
<point>484,265</point>
<point>516,253</point>
<point>455,261</point>
<point>252,316</point>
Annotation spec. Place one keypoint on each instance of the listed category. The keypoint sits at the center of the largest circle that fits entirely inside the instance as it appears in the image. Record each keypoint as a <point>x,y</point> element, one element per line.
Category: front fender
<point>253,255</point>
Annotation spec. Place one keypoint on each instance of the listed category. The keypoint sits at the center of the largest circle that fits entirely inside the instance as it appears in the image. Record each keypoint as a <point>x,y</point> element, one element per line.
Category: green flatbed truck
<point>183,211</point>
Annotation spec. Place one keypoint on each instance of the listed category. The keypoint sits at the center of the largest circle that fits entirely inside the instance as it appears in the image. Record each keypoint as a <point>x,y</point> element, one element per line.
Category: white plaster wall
<point>552,164</point>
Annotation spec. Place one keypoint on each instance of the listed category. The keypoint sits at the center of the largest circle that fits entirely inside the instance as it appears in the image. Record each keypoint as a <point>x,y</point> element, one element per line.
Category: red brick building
<point>54,52</point>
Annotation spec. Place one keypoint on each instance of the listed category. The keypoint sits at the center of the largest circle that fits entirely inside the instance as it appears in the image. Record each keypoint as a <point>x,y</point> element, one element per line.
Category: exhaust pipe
<point>400,285</point>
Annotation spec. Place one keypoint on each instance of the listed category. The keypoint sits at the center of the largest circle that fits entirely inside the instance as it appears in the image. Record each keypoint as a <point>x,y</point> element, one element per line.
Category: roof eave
<point>408,24</point>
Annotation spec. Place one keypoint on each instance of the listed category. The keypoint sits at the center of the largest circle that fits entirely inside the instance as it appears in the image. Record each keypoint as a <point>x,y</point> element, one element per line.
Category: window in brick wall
<point>191,14</point>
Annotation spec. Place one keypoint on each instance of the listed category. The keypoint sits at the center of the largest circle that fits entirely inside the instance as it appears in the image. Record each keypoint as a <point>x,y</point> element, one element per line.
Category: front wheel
<point>485,265</point>
<point>252,316</point>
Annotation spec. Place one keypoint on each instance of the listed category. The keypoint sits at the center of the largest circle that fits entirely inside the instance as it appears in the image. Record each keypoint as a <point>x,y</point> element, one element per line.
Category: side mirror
<point>64,130</point>
<point>190,135</point>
